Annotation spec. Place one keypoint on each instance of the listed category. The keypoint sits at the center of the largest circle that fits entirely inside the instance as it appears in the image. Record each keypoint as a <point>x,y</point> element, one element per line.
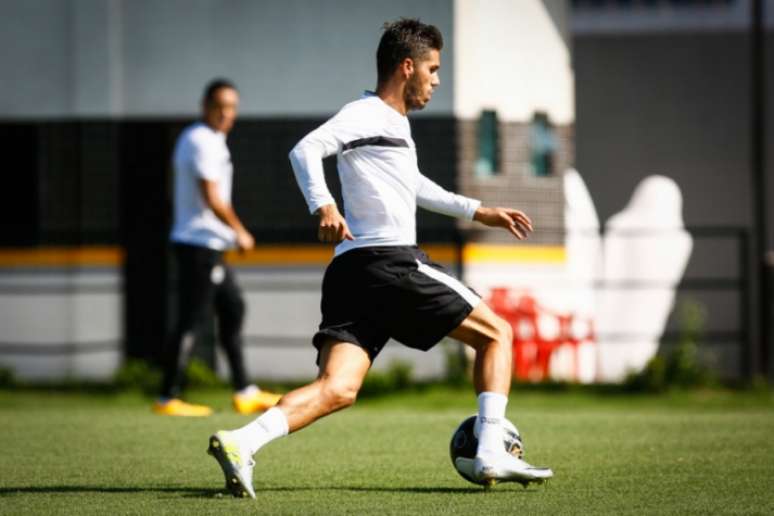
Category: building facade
<point>101,89</point>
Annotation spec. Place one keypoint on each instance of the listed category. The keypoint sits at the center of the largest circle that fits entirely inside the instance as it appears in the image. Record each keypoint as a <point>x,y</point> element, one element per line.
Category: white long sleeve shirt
<point>201,153</point>
<point>380,180</point>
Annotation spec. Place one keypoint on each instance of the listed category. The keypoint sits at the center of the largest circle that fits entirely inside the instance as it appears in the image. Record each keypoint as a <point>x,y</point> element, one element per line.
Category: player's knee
<point>498,332</point>
<point>339,394</point>
<point>500,338</point>
<point>504,332</point>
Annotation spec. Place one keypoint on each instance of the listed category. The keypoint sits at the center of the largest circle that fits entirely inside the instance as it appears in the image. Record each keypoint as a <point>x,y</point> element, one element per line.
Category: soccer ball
<point>464,443</point>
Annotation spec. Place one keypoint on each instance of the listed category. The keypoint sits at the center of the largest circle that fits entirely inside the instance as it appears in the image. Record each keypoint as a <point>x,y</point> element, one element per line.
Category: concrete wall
<point>669,104</point>
<point>152,58</point>
<point>61,323</point>
<point>66,323</point>
<point>677,102</point>
<point>96,58</point>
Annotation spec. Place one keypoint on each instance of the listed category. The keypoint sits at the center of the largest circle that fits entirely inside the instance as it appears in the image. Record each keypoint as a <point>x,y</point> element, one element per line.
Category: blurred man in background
<point>205,225</point>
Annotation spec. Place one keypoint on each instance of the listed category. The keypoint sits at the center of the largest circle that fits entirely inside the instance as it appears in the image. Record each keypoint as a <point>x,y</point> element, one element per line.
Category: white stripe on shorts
<point>471,298</point>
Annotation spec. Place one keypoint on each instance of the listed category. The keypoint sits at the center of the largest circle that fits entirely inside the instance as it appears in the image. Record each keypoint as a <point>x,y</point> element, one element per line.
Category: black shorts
<point>372,294</point>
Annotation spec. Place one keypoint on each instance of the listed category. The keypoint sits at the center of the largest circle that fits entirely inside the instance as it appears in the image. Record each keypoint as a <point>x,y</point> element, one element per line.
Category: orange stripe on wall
<point>282,255</point>
<point>472,253</point>
<point>316,255</point>
<point>99,256</point>
<point>278,255</point>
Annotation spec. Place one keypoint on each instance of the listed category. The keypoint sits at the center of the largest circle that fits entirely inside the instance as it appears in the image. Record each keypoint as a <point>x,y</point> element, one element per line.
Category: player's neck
<point>392,95</point>
<point>213,127</point>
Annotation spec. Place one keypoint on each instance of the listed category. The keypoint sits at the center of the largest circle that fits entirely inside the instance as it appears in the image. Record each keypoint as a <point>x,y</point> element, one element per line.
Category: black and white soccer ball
<point>464,443</point>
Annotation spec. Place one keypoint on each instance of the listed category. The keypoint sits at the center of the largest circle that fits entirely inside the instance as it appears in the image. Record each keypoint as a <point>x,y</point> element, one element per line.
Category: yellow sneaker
<point>256,401</point>
<point>178,407</point>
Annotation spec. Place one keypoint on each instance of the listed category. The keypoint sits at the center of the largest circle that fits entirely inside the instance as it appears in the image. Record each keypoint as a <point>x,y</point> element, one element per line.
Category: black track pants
<point>205,282</point>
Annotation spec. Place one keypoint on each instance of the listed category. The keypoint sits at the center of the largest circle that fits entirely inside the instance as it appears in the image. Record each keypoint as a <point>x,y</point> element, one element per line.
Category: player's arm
<point>204,161</point>
<point>434,198</point>
<point>513,220</point>
<point>306,160</point>
<point>225,212</point>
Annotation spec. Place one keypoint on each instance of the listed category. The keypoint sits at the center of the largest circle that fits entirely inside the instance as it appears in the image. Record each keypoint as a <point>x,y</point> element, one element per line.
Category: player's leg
<point>491,338</point>
<point>230,311</point>
<point>343,367</point>
<point>195,297</point>
<point>428,303</point>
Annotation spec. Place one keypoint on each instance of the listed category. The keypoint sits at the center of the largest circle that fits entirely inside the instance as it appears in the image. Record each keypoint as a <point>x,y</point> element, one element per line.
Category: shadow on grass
<point>369,489</point>
<point>5,491</point>
<point>189,491</point>
<point>211,493</point>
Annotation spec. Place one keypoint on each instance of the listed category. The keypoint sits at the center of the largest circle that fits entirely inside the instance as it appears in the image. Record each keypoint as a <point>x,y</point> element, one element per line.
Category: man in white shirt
<point>380,285</point>
<point>205,225</point>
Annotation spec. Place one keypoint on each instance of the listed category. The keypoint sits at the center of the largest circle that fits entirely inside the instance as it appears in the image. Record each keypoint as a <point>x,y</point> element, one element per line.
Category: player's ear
<point>407,67</point>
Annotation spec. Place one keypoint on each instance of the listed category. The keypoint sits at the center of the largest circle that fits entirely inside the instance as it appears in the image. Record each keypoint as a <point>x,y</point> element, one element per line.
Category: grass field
<point>687,453</point>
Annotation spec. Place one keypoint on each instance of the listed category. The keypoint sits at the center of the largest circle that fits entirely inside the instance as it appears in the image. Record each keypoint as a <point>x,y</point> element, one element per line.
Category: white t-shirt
<point>201,153</point>
<point>381,182</point>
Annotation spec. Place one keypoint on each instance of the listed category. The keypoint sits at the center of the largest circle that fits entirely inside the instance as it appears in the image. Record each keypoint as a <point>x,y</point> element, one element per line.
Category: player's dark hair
<point>214,85</point>
<point>406,37</point>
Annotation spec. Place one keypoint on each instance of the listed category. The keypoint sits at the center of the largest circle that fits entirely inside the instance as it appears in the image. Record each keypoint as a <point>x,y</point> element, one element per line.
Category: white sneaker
<point>235,461</point>
<point>504,467</point>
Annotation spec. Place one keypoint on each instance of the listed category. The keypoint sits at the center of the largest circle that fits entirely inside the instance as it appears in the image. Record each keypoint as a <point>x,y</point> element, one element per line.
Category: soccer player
<point>379,284</point>
<point>205,225</point>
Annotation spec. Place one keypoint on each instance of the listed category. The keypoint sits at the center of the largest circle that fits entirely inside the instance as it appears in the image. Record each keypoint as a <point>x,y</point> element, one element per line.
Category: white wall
<point>68,324</point>
<point>512,57</point>
<point>59,324</point>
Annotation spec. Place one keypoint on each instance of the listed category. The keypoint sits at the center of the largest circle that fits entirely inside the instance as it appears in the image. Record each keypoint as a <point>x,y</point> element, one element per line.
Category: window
<point>487,162</point>
<point>542,143</point>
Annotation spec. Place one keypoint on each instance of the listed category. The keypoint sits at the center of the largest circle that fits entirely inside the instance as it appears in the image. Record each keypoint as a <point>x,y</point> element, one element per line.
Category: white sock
<point>491,412</point>
<point>270,425</point>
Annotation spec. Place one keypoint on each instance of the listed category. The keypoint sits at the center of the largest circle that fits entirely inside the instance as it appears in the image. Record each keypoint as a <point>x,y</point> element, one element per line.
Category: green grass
<point>685,453</point>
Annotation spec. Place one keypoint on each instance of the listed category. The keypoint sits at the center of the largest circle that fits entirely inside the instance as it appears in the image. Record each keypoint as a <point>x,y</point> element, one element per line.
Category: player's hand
<point>332,227</point>
<point>244,240</point>
<point>514,221</point>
